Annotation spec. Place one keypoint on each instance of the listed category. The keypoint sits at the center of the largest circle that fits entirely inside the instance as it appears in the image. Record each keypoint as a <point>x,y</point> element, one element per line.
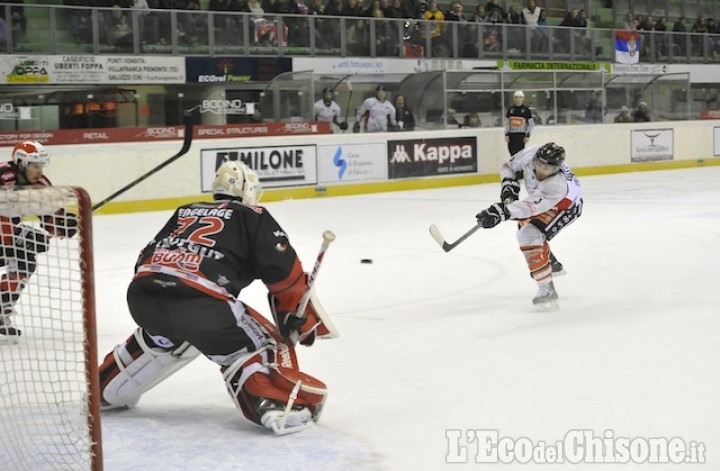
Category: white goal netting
<point>49,411</point>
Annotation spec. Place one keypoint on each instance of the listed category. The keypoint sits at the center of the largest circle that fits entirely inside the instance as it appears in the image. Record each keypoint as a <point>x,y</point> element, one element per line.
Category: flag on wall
<point>627,47</point>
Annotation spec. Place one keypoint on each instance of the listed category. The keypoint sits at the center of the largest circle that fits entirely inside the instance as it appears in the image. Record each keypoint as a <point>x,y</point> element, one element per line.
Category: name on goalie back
<point>432,153</point>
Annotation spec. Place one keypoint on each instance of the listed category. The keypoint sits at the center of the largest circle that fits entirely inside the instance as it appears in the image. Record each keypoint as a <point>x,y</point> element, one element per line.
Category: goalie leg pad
<point>138,365</point>
<point>270,390</point>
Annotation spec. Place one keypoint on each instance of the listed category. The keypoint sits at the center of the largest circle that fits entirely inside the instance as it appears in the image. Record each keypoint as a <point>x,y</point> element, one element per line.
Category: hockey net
<point>49,396</point>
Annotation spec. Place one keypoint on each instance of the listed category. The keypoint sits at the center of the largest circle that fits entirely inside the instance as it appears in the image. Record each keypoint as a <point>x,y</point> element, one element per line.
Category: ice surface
<point>434,341</point>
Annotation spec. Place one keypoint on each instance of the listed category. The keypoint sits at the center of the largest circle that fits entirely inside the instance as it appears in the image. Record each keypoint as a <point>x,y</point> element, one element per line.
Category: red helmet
<point>29,151</point>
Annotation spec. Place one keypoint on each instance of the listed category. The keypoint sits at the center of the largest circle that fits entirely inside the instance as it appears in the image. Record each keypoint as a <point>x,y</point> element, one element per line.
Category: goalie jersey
<point>219,248</point>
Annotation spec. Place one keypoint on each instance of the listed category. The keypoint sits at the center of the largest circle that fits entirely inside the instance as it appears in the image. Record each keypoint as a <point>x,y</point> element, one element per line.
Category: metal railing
<point>56,29</point>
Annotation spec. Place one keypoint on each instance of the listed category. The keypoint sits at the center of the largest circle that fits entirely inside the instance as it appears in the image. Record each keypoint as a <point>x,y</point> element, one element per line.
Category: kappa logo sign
<point>432,157</point>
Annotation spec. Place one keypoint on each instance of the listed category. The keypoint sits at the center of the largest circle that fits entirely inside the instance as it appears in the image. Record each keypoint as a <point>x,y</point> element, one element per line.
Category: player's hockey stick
<point>435,233</point>
<point>188,122</point>
<point>328,238</point>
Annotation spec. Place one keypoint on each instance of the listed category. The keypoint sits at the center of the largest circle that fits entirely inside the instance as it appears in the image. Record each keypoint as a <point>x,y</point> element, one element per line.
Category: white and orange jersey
<point>379,114</point>
<point>561,191</point>
<point>326,112</point>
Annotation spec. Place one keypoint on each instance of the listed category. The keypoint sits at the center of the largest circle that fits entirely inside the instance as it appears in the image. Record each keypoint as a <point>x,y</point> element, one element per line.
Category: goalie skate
<point>283,422</point>
<point>546,298</point>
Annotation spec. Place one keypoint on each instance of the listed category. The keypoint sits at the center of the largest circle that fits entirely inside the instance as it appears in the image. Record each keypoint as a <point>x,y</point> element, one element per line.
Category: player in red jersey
<point>21,242</point>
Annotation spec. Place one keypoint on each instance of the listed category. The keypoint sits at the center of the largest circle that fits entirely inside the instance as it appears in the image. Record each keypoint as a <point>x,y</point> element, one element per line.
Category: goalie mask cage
<point>49,393</point>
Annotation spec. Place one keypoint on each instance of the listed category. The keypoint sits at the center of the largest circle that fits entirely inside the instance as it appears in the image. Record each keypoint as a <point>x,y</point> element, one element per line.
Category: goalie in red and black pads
<point>519,124</point>
<point>184,298</point>
<point>21,242</point>
<point>553,202</point>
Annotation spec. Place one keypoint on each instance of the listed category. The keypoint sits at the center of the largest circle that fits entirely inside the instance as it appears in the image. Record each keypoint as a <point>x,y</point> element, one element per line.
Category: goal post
<point>49,384</point>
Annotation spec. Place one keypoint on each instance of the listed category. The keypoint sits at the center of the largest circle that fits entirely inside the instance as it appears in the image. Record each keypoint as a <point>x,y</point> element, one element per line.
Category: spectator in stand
<point>148,22</point>
<point>226,25</point>
<point>661,36</point>
<point>394,9</point>
<point>542,22</point>
<point>455,12</point>
<point>516,36</point>
<point>480,14</point>
<point>513,16</point>
<point>403,114</point>
<point>531,17</point>
<point>466,36</point>
<point>78,20</point>
<point>385,43</point>
<point>679,25</point>
<point>641,114</point>
<point>118,31</point>
<point>492,36</point>
<point>334,8</point>
<point>353,8</point>
<point>357,37</point>
<point>436,29</point>
<point>322,27</point>
<point>260,26</point>
<point>624,116</point>
<point>700,30</point>
<point>713,38</point>
<point>495,5</point>
<point>630,22</point>
<point>18,21</point>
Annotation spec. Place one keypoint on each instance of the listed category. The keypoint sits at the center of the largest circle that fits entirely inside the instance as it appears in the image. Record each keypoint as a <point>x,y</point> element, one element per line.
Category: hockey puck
<point>366,260</point>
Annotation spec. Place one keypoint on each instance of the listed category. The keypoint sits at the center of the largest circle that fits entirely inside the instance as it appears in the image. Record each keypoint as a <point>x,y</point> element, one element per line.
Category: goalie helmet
<point>29,151</point>
<point>550,154</point>
<point>235,179</point>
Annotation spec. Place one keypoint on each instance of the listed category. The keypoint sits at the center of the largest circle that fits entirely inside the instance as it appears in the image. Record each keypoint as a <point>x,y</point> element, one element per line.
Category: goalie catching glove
<point>493,216</point>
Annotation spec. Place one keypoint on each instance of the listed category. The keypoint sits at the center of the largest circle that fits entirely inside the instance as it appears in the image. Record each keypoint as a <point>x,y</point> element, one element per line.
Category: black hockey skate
<point>546,298</point>
<point>557,267</point>
<point>8,333</point>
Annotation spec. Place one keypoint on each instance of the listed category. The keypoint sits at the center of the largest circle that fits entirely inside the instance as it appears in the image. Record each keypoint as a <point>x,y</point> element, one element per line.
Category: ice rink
<point>434,345</point>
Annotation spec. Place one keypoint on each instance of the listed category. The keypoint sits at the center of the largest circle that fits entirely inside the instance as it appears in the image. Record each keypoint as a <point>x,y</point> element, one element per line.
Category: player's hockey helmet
<point>29,151</point>
<point>235,179</point>
<point>550,154</point>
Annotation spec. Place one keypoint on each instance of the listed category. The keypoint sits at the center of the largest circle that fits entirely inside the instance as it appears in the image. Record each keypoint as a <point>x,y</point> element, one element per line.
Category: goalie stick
<point>328,238</point>
<point>435,233</point>
<point>188,122</point>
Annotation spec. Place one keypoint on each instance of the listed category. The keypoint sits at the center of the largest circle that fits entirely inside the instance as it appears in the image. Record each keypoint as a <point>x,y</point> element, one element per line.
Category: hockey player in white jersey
<point>380,113</point>
<point>554,201</point>
<point>328,110</point>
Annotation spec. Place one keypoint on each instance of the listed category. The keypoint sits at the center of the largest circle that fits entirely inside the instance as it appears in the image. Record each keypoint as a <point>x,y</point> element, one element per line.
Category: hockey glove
<point>289,324</point>
<point>510,190</point>
<point>343,125</point>
<point>356,127</point>
<point>493,216</point>
<point>62,223</point>
<point>31,239</point>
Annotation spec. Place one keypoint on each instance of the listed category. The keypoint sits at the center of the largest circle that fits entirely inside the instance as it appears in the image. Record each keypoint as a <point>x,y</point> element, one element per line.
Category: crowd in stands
<point>442,24</point>
<point>706,34</point>
<point>117,23</point>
